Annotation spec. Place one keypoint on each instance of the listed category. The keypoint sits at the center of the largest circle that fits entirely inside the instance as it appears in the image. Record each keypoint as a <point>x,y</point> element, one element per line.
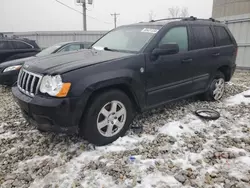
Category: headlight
<point>11,68</point>
<point>54,86</point>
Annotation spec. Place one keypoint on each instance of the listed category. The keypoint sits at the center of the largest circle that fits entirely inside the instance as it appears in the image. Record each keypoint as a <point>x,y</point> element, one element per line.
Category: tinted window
<point>176,35</point>
<point>72,47</point>
<point>223,37</point>
<point>203,37</point>
<point>5,45</point>
<point>21,45</point>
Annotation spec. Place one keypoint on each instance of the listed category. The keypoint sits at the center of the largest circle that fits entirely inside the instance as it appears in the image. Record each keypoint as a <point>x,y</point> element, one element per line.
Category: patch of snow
<point>189,124</point>
<point>235,150</point>
<point>65,175</point>
<point>193,157</point>
<point>173,129</point>
<point>8,135</point>
<point>125,143</point>
<point>98,180</point>
<point>155,180</point>
<point>238,99</point>
<point>183,163</point>
<point>245,160</point>
<point>34,160</point>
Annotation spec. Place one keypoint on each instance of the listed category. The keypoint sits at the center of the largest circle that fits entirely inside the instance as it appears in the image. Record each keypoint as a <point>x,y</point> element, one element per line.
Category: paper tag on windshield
<point>148,30</point>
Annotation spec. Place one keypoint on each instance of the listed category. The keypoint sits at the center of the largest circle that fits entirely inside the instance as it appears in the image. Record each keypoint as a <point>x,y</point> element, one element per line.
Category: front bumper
<point>50,114</point>
<point>8,78</point>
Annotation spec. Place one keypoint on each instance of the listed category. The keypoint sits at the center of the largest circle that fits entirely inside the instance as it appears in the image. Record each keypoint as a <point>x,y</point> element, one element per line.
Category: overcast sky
<point>48,15</point>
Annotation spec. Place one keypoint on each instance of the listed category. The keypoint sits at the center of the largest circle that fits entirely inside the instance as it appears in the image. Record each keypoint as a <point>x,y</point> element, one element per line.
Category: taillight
<point>236,51</point>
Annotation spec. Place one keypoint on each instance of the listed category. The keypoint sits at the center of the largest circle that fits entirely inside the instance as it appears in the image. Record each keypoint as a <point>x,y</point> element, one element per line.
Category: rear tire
<point>216,88</point>
<point>107,117</point>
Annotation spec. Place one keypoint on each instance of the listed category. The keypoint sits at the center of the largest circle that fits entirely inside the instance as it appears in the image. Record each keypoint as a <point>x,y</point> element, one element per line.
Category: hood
<point>64,62</point>
<point>16,62</point>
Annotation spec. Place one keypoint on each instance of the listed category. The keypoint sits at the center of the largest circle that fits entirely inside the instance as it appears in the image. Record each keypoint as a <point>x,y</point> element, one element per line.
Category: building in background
<point>237,15</point>
<point>231,8</point>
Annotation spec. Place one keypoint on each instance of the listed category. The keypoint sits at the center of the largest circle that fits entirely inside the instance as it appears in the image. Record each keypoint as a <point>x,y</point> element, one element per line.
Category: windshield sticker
<point>148,30</point>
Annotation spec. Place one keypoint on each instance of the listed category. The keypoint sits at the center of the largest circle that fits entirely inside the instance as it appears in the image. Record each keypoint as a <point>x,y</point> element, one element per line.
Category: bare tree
<point>184,12</point>
<point>176,12</point>
<point>151,15</point>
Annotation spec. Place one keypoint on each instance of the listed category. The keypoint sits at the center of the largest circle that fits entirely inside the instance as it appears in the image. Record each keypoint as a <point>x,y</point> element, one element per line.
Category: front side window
<point>203,37</point>
<point>223,37</point>
<point>72,47</point>
<point>21,45</point>
<point>127,39</point>
<point>176,35</point>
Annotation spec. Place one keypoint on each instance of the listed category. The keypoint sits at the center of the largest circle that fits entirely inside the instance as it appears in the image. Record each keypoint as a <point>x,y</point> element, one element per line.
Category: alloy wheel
<point>219,89</point>
<point>111,118</point>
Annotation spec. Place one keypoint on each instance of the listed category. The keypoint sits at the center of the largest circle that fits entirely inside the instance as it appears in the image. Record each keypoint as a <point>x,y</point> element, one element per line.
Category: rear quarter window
<point>21,45</point>
<point>222,36</point>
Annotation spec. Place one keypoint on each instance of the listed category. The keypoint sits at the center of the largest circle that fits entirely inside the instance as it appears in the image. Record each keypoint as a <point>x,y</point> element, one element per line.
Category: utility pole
<point>115,17</point>
<point>84,10</point>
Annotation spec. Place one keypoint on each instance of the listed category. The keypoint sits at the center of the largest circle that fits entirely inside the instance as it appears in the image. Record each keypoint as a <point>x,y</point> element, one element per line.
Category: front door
<point>169,76</point>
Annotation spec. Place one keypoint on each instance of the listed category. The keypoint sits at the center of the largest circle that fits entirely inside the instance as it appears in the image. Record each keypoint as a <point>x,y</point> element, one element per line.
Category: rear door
<point>6,50</point>
<point>204,55</point>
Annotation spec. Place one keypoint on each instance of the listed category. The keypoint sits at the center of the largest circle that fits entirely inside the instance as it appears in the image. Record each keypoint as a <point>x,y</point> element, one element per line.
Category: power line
<point>81,12</point>
<point>69,7</point>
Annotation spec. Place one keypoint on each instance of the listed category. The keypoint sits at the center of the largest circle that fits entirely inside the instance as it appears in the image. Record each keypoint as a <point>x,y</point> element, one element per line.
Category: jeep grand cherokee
<point>96,92</point>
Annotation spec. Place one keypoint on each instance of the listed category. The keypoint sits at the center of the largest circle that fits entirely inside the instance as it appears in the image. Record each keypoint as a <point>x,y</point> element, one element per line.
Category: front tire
<point>107,117</point>
<point>216,89</point>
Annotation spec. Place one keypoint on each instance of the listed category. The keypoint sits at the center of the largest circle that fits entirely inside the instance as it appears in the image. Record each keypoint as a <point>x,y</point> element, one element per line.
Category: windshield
<point>127,39</point>
<point>48,50</point>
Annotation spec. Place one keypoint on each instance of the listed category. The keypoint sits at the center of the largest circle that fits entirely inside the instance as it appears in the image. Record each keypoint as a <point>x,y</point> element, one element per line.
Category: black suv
<point>16,48</point>
<point>132,68</point>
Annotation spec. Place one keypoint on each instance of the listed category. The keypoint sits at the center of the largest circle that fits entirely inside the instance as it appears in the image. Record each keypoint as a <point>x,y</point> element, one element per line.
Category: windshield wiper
<point>109,49</point>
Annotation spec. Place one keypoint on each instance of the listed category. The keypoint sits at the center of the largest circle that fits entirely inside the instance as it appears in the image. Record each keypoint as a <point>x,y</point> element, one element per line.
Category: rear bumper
<point>232,71</point>
<point>8,78</point>
<point>50,114</point>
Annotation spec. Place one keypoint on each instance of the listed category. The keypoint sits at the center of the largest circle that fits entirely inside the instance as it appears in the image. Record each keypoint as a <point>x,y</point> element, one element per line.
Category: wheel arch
<point>226,70</point>
<point>117,84</point>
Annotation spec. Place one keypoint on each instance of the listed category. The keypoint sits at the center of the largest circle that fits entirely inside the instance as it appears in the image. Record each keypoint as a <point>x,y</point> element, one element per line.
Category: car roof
<point>15,39</point>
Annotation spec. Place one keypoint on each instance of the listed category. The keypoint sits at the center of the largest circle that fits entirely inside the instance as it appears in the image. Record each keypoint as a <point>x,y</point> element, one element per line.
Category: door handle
<point>216,54</point>
<point>187,60</point>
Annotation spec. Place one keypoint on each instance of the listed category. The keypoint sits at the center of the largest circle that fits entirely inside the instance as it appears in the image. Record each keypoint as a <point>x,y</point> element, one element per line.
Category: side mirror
<point>166,49</point>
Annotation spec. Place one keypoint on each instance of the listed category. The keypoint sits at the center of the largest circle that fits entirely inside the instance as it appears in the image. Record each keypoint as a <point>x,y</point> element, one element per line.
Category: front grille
<point>28,82</point>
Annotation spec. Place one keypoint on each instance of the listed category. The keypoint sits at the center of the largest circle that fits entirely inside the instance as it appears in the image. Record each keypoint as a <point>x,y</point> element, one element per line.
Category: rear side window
<point>177,35</point>
<point>222,36</point>
<point>203,37</point>
<point>5,45</point>
<point>21,45</point>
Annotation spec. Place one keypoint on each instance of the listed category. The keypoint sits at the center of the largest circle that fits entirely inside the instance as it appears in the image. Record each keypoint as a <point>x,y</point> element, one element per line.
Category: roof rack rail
<point>165,19</point>
<point>191,18</point>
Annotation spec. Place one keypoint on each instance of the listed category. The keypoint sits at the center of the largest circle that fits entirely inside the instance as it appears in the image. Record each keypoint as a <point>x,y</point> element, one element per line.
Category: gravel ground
<point>175,149</point>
